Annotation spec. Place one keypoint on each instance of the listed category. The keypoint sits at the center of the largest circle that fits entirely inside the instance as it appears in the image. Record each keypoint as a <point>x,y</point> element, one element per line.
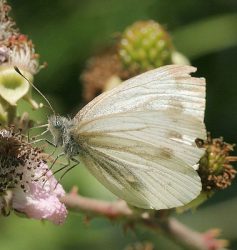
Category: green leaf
<point>207,36</point>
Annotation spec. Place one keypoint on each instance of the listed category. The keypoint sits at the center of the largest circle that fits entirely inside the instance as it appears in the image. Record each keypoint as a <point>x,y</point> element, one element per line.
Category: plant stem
<point>11,114</point>
<point>159,221</point>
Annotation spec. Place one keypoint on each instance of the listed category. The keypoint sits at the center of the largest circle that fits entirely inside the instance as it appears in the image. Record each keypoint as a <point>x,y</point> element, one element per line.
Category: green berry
<point>145,45</point>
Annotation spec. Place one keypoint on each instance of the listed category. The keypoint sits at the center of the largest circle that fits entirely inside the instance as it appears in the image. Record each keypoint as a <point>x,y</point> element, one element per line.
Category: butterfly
<point>138,139</point>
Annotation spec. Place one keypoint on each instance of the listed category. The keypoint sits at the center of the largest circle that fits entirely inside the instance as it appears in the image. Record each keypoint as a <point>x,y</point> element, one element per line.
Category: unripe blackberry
<point>145,45</point>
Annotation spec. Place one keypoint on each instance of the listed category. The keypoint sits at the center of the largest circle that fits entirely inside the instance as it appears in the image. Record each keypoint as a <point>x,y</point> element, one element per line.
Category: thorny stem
<point>78,203</point>
<point>183,235</point>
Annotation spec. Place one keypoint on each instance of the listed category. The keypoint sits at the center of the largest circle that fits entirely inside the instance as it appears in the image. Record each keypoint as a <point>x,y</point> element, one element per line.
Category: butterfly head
<point>61,127</point>
<point>58,126</point>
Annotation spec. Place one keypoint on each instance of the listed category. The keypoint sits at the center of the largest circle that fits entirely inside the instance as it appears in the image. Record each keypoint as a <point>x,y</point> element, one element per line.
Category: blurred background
<point>68,32</point>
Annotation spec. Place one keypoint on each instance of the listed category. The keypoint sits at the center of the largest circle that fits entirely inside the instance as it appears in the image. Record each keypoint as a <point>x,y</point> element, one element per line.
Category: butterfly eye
<point>57,122</point>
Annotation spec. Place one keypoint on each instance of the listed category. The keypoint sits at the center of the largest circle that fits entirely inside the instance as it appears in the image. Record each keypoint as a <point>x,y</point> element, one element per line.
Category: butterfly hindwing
<point>137,159</point>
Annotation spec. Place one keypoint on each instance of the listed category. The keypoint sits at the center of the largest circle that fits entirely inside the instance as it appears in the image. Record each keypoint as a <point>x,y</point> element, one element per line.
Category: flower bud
<point>215,169</point>
<point>142,46</point>
<point>102,72</point>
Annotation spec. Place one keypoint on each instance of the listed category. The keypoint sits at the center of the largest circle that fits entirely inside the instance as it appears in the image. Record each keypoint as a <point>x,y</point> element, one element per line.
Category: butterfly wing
<point>139,139</point>
<point>159,89</point>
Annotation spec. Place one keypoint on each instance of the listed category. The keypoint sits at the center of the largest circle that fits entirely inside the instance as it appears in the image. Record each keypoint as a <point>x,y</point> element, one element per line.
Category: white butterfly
<point>138,139</point>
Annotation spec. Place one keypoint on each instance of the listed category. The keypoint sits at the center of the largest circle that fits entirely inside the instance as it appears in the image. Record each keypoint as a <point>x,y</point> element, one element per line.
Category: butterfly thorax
<point>61,127</point>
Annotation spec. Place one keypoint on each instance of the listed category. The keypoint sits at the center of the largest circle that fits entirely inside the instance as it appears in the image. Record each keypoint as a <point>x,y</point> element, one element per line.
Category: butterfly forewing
<point>139,138</point>
<point>160,89</point>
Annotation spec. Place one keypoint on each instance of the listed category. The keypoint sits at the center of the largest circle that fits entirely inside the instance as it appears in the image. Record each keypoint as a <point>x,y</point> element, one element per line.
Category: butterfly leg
<point>42,175</point>
<point>45,140</point>
<point>56,158</point>
<point>44,132</point>
<point>55,172</point>
<point>35,127</point>
<point>76,162</point>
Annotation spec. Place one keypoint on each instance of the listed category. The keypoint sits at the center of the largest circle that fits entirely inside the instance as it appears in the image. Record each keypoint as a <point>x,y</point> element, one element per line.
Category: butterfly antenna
<point>19,72</point>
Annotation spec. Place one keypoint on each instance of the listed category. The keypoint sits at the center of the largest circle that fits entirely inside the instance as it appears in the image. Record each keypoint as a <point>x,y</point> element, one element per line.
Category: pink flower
<point>21,170</point>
